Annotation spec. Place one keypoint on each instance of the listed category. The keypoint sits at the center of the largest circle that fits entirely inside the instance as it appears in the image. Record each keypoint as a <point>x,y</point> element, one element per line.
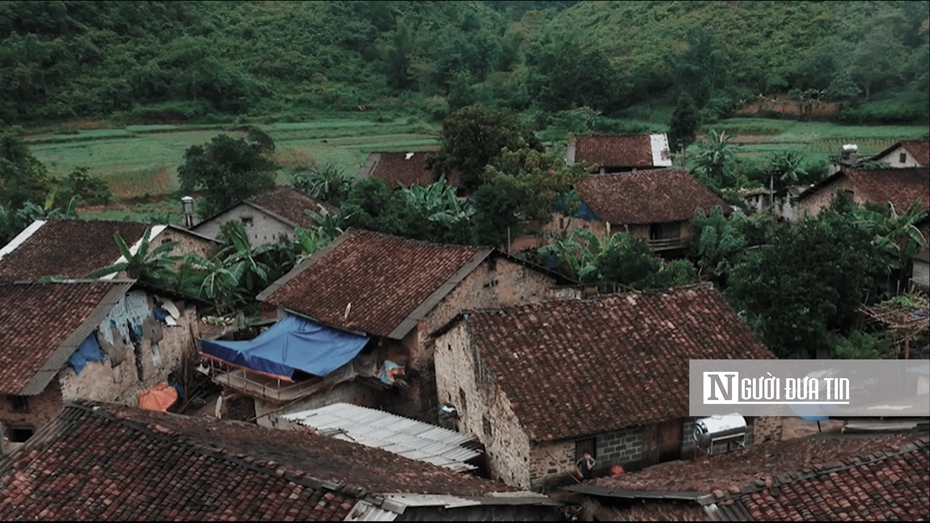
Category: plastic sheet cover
<point>292,343</point>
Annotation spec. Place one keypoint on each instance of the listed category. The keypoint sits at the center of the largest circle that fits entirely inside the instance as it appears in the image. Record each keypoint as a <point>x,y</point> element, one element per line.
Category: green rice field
<point>140,162</point>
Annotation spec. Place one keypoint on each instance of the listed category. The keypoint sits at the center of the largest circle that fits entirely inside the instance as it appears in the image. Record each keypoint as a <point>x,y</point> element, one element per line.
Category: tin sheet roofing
<point>374,428</point>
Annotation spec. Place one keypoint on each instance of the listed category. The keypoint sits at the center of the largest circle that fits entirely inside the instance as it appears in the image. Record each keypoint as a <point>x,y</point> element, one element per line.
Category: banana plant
<point>895,234</point>
<point>155,266</point>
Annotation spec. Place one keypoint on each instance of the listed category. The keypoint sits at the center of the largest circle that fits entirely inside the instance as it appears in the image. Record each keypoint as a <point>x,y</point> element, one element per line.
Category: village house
<point>655,205</point>
<point>900,187</point>
<point>379,297</point>
<point>267,217</point>
<point>75,248</point>
<point>398,169</point>
<point>541,384</point>
<point>906,153</point>
<point>619,153</point>
<point>115,463</point>
<point>818,478</point>
<point>106,340</point>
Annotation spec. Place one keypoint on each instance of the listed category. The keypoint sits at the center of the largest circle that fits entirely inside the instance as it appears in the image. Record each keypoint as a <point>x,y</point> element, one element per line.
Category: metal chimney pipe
<point>187,209</point>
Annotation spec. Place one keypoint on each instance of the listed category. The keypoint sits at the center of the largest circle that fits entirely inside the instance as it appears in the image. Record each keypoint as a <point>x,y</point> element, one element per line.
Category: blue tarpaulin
<point>89,350</point>
<point>585,212</point>
<point>292,343</point>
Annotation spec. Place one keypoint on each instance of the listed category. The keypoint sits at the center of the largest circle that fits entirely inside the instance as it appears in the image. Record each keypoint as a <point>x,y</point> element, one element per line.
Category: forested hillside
<point>181,60</point>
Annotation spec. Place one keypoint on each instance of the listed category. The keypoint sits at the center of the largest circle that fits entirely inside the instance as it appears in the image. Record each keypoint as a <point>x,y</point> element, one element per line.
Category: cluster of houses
<point>401,379</point>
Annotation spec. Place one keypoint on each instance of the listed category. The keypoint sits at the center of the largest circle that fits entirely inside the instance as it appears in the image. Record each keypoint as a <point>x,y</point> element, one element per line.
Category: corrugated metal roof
<point>406,437</point>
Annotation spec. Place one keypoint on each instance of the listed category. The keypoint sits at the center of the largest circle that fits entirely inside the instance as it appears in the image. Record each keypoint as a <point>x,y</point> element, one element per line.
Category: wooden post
<point>907,347</point>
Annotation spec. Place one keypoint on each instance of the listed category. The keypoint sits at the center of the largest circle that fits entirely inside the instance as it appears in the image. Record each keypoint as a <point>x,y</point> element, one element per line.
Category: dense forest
<point>182,60</point>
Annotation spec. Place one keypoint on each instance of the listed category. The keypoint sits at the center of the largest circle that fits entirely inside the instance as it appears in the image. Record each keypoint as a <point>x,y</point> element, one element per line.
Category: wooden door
<point>662,442</point>
<point>670,439</point>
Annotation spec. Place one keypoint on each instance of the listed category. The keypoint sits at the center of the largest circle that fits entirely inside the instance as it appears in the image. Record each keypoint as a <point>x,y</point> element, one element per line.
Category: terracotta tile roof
<point>653,196</point>
<point>72,248</point>
<point>290,205</point>
<point>919,149</point>
<point>573,368</point>
<point>37,319</point>
<point>901,186</point>
<point>892,484</point>
<point>380,280</point>
<point>397,168</point>
<point>632,151</point>
<point>742,467</point>
<point>123,463</point>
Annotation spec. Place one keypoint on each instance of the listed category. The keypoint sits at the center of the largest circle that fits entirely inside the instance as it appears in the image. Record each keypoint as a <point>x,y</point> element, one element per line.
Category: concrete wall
<point>102,381</point>
<point>41,409</point>
<point>457,376</point>
<point>264,228</point>
<point>893,158</point>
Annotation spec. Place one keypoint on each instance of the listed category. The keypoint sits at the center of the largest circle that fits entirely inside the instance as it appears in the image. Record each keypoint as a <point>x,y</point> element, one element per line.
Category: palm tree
<point>155,266</point>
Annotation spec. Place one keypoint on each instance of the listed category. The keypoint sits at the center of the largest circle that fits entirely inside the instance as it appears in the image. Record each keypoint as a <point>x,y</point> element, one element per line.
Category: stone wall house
<point>104,340</point>
<point>540,384</point>
<point>267,217</point>
<point>76,248</point>
<point>899,187</point>
<point>120,463</point>
<point>619,153</point>
<point>906,153</point>
<point>398,291</point>
<point>842,477</point>
<point>656,205</point>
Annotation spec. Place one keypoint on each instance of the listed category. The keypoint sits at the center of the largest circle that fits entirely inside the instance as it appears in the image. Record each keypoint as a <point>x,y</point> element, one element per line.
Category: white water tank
<point>849,149</point>
<point>718,428</point>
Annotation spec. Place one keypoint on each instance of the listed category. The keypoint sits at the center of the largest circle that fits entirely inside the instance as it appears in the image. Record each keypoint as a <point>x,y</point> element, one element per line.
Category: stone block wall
<point>620,447</point>
<point>41,409</point>
<point>482,410</point>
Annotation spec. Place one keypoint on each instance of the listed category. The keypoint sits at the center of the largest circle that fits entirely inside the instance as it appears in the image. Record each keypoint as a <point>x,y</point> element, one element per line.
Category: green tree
<point>701,69</point>
<point>91,189</point>
<point>896,236</point>
<point>473,138</point>
<point>156,266</point>
<point>23,178</point>
<point>397,54</point>
<point>227,170</point>
<point>805,283</point>
<point>683,127</point>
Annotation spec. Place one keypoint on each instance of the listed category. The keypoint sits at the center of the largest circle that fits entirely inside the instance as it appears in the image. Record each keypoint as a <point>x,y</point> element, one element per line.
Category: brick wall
<point>263,229</point>
<point>766,428</point>
<point>687,441</point>
<point>485,413</point>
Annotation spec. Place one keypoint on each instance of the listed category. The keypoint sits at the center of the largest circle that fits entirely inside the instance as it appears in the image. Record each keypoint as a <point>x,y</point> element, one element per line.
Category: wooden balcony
<point>665,244</point>
<point>270,389</point>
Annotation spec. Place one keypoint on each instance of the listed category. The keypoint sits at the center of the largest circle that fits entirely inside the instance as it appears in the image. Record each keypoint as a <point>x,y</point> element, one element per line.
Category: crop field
<point>140,162</point>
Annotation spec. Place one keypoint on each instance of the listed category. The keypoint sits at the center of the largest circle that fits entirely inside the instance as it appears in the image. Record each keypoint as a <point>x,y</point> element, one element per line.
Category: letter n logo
<point>720,388</point>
